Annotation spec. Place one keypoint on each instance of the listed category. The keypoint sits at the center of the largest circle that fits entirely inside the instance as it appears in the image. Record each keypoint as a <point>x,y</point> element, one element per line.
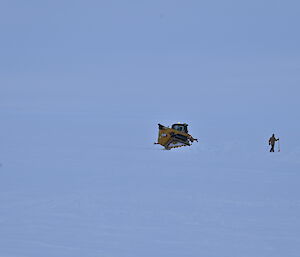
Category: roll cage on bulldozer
<point>174,137</point>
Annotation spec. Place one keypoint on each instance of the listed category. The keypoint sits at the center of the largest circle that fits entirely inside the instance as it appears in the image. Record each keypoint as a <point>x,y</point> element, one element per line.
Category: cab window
<point>178,127</point>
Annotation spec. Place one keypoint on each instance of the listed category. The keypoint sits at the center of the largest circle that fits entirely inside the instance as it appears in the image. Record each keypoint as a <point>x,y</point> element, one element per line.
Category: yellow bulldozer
<point>176,136</point>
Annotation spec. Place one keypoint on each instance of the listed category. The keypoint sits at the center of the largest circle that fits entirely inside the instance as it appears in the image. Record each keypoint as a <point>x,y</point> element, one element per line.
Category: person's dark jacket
<point>272,140</point>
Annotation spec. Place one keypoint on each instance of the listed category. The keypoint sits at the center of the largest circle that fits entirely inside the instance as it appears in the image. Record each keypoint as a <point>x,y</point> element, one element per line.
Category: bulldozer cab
<point>180,127</point>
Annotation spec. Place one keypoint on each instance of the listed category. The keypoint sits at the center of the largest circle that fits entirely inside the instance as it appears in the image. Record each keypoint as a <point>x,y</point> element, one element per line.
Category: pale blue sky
<point>220,59</point>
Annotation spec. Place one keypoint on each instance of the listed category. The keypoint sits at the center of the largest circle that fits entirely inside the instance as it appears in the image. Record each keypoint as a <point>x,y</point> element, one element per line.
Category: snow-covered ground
<point>76,185</point>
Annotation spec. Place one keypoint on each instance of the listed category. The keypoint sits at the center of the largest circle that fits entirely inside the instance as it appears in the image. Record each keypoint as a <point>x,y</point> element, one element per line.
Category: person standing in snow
<point>272,141</point>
